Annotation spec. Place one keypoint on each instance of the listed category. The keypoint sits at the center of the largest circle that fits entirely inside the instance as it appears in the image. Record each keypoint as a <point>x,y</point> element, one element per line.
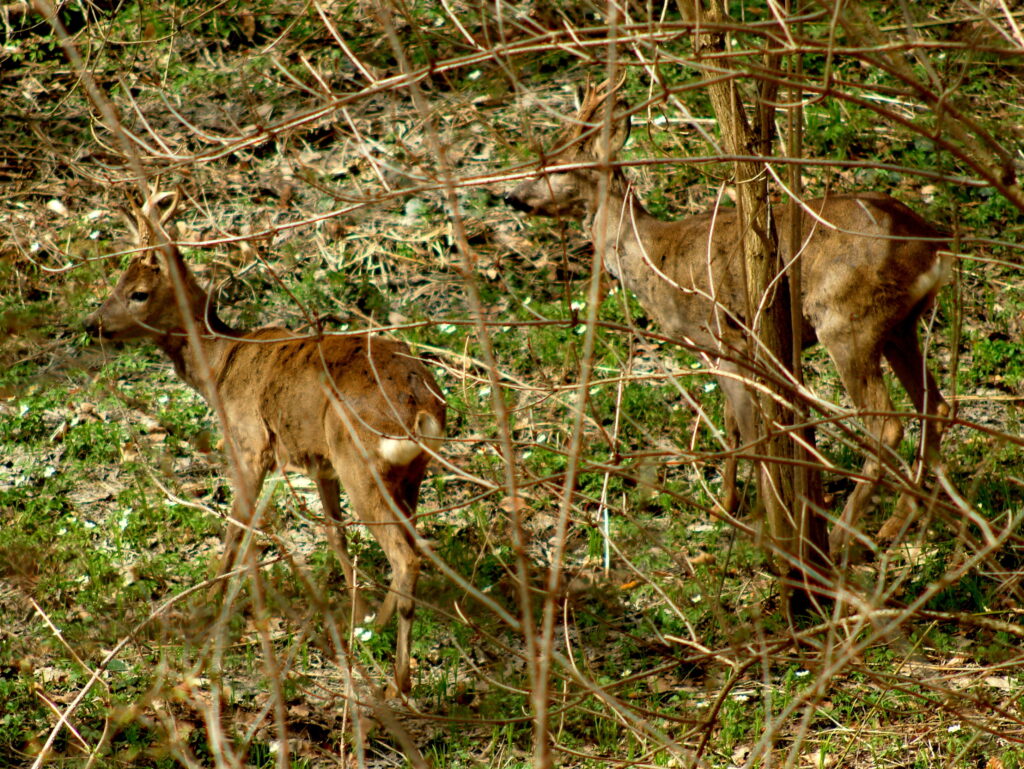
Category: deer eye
<point>138,296</point>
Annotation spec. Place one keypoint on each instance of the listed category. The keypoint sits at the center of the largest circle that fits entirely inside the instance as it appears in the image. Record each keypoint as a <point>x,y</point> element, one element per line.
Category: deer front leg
<point>329,489</point>
<point>730,491</point>
<point>740,428</point>
<point>252,471</point>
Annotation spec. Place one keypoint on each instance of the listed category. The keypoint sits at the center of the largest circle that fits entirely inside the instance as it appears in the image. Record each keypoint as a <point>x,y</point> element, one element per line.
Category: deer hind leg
<point>861,372</point>
<point>405,571</point>
<point>374,506</point>
<point>903,352</point>
<point>329,489</point>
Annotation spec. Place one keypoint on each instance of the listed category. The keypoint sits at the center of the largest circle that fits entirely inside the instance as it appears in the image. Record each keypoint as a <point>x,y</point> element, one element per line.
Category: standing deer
<point>870,268</point>
<point>355,410</point>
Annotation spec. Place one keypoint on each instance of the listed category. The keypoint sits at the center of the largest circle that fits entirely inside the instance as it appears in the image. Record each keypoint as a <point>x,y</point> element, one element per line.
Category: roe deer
<point>870,268</point>
<point>354,410</point>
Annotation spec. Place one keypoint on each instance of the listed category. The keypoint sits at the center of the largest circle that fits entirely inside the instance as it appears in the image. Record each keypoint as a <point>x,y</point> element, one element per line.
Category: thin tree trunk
<point>811,525</point>
<point>783,495</point>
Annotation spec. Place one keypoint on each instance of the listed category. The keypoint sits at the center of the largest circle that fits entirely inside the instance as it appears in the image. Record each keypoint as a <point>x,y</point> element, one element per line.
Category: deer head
<point>143,303</point>
<point>566,193</point>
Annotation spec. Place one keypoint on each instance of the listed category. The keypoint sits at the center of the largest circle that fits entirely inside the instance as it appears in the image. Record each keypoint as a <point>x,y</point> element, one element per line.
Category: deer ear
<point>621,124</point>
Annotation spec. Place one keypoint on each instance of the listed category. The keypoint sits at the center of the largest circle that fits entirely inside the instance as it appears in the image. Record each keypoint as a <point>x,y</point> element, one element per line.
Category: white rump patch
<point>402,451</point>
<point>935,278</point>
<point>398,451</point>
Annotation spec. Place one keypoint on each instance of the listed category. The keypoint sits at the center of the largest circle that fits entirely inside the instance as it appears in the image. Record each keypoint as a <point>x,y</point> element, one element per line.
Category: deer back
<point>301,393</point>
<point>865,258</point>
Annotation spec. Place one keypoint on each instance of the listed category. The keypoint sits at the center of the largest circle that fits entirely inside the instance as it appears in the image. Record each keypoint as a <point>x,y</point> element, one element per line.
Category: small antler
<point>591,103</point>
<point>149,218</point>
<point>594,96</point>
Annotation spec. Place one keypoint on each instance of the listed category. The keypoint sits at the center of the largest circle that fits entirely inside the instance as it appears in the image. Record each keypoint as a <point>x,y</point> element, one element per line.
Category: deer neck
<point>198,361</point>
<point>615,219</point>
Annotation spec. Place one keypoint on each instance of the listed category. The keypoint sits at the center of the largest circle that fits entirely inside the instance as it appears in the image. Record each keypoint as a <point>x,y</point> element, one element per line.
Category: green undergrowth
<point>99,561</point>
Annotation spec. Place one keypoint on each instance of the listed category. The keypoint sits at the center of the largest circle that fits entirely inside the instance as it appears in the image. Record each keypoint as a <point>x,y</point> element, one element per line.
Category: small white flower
<point>954,728</point>
<point>446,328</point>
<point>57,207</point>
<point>709,387</point>
<point>802,673</point>
<point>577,305</point>
<point>474,75</point>
<point>363,633</point>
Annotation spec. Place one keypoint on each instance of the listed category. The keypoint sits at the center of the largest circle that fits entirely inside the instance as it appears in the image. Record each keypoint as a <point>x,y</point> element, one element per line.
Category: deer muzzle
<point>513,200</point>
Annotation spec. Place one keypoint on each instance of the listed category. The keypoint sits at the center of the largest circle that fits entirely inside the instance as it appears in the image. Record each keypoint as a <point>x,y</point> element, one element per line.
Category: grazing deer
<point>870,268</point>
<point>355,410</point>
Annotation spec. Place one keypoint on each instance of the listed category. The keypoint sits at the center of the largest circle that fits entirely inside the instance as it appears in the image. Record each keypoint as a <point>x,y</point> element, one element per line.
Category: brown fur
<point>348,410</point>
<point>870,268</point>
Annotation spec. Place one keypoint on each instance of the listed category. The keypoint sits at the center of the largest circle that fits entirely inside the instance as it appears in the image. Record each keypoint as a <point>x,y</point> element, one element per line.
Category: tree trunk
<point>796,528</point>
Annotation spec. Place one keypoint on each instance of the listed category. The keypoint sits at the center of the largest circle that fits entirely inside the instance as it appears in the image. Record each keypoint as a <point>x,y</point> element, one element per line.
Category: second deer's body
<point>870,267</point>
